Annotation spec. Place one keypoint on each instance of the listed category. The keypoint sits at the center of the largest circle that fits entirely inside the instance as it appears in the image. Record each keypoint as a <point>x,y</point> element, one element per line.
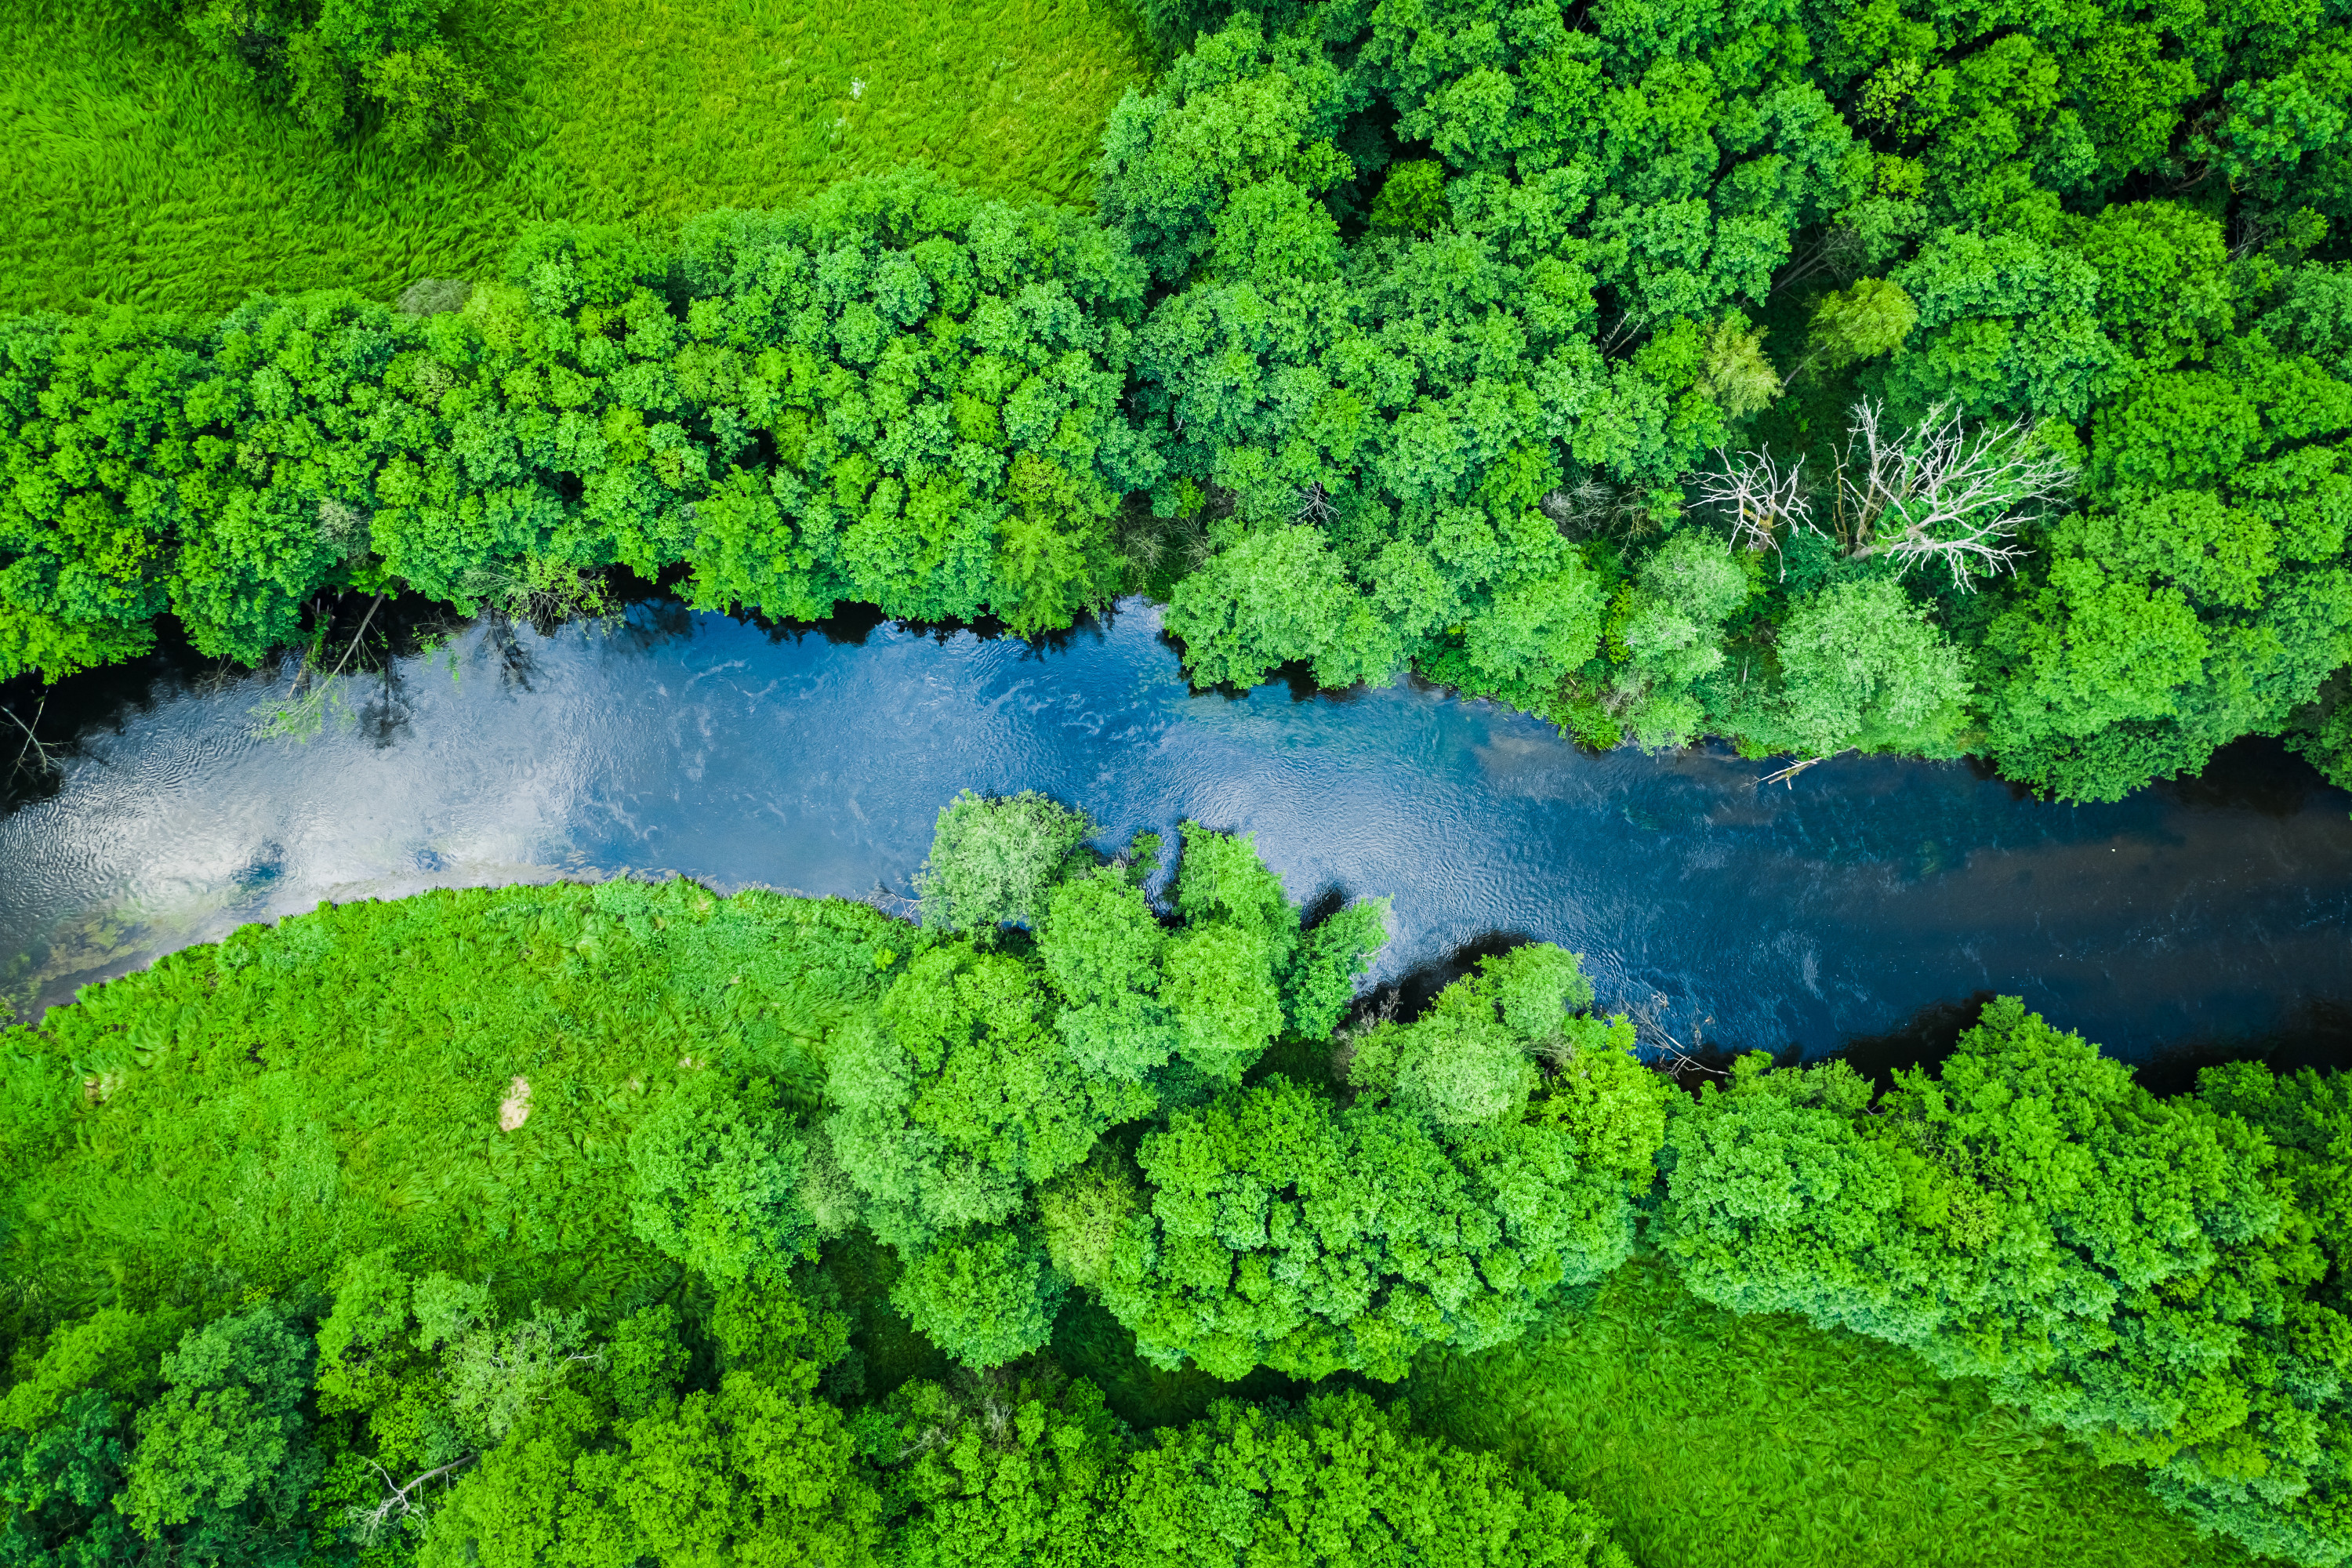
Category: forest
<point>1084,1221</point>
<point>1936,379</point>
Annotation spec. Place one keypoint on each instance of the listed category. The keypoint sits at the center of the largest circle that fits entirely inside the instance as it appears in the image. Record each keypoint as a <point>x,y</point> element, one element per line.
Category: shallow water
<point>1838,906</point>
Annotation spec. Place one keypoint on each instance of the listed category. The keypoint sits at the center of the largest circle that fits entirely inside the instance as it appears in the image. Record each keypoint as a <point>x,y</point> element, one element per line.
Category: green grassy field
<point>135,175</point>
<point>1717,1441</point>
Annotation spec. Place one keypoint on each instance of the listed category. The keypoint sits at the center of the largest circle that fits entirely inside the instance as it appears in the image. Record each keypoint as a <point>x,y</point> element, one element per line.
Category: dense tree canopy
<point>1441,1206</point>
<point>295,1326</point>
<point>1910,376</point>
<point>905,396</point>
<point>2148,1274</point>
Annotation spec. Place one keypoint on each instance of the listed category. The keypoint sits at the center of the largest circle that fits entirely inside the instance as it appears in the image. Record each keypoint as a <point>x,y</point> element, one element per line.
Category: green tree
<point>715,1177</point>
<point>994,858</point>
<point>66,1438</point>
<point>225,1450</point>
<point>1013,1467</point>
<point>1862,665</point>
<point>1536,635</point>
<point>2008,325</point>
<point>1273,598</point>
<point>1870,317</point>
<point>2116,1263</point>
<point>1102,947</point>
<point>1670,628</point>
<point>958,1097</point>
<point>986,1295</point>
<point>753,1470</point>
<point>1343,1480</point>
<point>2164,289</point>
<point>1411,198</point>
<point>1288,1231</point>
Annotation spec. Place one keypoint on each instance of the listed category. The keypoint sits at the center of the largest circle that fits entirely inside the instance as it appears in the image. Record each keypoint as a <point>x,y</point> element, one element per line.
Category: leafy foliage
<point>325,58</point>
<point>715,1174</point>
<point>1823,382</point>
<point>587,412</point>
<point>993,860</point>
<point>2128,1268</point>
<point>1345,1481</point>
<point>1287,1230</point>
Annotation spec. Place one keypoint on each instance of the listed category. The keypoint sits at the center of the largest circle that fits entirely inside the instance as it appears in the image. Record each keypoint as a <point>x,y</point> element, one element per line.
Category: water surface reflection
<point>1842,906</point>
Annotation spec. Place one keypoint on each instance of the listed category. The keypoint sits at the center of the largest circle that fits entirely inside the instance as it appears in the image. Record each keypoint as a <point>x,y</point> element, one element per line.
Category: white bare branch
<point>1592,506</point>
<point>1758,497</point>
<point>1939,493</point>
<point>399,1500</point>
<point>1787,775</point>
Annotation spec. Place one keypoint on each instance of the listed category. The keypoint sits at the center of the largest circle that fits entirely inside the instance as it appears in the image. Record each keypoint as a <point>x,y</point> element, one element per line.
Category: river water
<point>1860,898</point>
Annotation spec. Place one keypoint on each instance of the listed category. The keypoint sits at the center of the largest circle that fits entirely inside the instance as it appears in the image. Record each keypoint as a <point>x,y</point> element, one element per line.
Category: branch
<point>1938,492</point>
<point>355,641</point>
<point>32,740</point>
<point>371,1519</point>
<point>1758,496</point>
<point>1786,775</point>
<point>1679,1058</point>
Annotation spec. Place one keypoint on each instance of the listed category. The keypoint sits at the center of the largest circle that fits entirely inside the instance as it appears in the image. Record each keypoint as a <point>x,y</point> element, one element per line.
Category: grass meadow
<point>1718,1441</point>
<point>136,176</point>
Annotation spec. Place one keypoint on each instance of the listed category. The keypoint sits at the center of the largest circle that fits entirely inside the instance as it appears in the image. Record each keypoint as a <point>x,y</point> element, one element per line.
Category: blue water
<point>1720,912</point>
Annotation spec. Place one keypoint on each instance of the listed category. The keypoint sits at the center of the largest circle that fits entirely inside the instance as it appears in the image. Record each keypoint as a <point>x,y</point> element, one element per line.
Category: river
<point>1866,897</point>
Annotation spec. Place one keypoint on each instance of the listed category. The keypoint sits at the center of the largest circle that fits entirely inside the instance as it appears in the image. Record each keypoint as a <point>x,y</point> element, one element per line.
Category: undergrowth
<point>303,1093</point>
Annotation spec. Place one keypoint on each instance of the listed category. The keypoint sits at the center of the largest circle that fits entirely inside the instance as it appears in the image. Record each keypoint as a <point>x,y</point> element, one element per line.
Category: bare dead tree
<point>1941,493</point>
<point>1757,496</point>
<point>400,1498</point>
<point>1314,504</point>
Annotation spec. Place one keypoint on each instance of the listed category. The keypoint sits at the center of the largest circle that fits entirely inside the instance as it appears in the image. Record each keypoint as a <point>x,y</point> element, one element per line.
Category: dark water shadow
<point>2311,1034</point>
<point>1408,996</point>
<point>2257,774</point>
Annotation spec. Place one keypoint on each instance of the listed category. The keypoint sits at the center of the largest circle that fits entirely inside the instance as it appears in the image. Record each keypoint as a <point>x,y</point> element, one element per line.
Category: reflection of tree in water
<point>355,679</point>
<point>650,624</point>
<point>851,625</point>
<point>384,716</point>
<point>514,660</point>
